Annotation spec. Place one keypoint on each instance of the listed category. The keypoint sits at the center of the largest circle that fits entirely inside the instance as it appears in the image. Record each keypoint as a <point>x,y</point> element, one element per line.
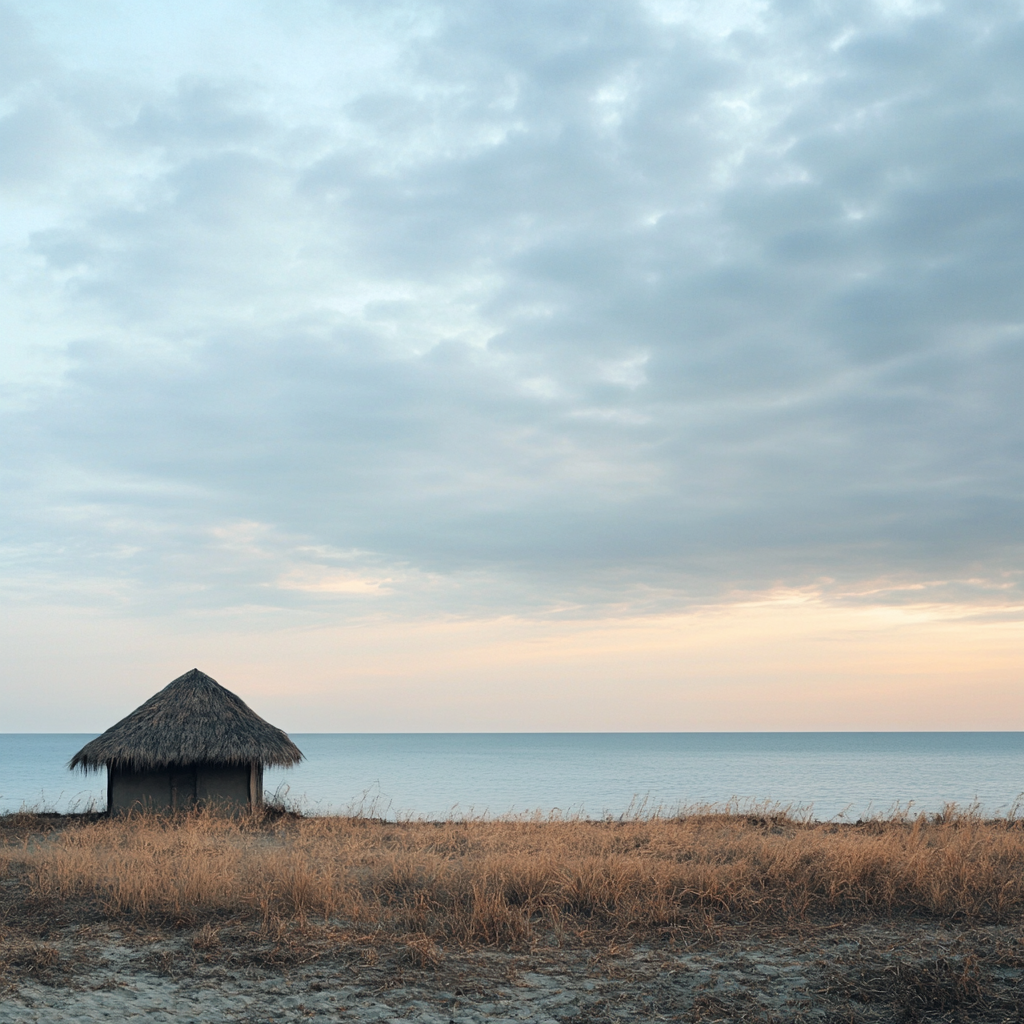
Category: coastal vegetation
<point>504,882</point>
<point>708,915</point>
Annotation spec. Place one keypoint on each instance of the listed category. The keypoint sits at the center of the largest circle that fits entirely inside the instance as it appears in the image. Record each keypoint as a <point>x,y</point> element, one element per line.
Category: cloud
<point>567,305</point>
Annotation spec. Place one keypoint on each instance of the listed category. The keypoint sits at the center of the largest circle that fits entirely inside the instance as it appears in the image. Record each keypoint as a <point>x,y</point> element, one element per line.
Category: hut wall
<point>149,791</point>
<point>183,787</point>
<point>223,786</point>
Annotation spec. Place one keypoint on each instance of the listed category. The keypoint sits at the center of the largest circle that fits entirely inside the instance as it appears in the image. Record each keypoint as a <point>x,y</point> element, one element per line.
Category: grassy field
<point>702,916</point>
<point>505,882</point>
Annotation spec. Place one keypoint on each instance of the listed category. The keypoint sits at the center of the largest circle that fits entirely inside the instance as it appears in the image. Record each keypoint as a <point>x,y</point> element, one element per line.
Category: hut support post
<point>255,786</point>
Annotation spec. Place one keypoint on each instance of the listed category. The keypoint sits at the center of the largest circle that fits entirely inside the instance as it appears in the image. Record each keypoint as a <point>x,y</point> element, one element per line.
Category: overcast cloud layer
<point>474,306</point>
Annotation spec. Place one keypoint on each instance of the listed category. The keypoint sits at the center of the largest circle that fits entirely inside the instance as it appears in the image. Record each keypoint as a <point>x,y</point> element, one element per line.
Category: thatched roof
<point>192,720</point>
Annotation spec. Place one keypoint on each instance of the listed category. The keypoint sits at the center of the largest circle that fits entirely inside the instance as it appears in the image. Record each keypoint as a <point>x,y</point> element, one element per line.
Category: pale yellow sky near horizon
<point>786,661</point>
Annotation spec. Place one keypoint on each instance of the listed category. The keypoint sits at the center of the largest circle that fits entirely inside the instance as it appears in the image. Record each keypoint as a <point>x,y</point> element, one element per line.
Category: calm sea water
<point>829,774</point>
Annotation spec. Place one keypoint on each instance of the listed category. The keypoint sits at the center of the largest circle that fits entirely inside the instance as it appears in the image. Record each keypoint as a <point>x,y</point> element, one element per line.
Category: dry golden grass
<point>506,882</point>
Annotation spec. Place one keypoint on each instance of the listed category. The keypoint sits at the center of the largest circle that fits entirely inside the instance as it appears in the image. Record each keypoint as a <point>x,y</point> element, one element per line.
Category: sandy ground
<point>829,973</point>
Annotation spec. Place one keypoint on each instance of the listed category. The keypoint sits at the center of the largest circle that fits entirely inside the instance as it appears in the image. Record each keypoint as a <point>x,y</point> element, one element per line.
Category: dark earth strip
<point>850,972</point>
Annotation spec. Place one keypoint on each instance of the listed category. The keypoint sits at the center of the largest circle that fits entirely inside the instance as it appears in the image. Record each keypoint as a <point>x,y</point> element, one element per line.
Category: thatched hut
<point>192,744</point>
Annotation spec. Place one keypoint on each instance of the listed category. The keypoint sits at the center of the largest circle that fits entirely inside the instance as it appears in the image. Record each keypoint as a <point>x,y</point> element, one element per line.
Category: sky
<point>561,365</point>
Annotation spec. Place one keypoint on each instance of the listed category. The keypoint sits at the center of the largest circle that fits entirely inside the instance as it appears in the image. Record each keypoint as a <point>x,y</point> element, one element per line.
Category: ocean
<point>843,775</point>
